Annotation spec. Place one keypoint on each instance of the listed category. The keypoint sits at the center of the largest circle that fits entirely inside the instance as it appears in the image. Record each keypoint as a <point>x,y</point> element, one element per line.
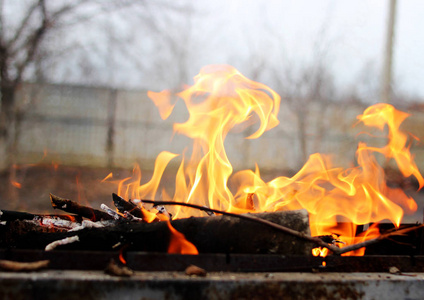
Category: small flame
<point>319,251</point>
<point>121,255</point>
<point>178,244</point>
<point>16,184</point>
<point>109,176</point>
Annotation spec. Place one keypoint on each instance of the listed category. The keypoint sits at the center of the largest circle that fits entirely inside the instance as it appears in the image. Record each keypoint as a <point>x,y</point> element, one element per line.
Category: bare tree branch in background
<point>25,27</point>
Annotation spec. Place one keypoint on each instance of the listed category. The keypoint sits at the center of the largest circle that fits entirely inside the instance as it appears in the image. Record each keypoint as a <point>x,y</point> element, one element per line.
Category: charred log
<point>218,234</point>
<point>10,215</point>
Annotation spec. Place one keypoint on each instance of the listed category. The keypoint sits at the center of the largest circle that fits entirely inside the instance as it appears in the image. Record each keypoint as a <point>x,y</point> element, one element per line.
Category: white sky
<point>282,32</point>
<point>353,31</point>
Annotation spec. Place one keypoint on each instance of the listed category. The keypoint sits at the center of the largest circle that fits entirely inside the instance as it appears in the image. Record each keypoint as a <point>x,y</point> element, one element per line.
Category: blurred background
<point>75,75</point>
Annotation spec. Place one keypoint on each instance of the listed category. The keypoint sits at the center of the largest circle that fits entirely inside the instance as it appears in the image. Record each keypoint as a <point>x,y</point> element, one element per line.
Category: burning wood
<point>228,233</point>
<point>74,208</point>
<point>221,99</point>
<point>217,234</point>
<point>110,212</point>
<point>133,209</point>
<point>126,206</point>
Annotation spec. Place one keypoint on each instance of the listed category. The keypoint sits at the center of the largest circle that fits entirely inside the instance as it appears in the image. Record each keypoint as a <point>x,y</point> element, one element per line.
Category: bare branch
<point>23,26</point>
<point>33,42</point>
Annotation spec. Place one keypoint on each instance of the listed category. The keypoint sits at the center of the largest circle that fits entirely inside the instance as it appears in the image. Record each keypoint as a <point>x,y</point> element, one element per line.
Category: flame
<point>109,176</point>
<point>178,243</point>
<point>121,255</point>
<point>220,99</point>
<point>16,184</point>
<point>337,199</point>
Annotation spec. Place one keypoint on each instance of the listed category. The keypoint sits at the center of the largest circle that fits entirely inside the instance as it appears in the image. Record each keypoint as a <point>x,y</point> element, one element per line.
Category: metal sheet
<point>176,285</point>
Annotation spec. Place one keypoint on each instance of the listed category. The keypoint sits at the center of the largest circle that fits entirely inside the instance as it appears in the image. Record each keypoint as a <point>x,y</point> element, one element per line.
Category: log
<point>10,215</point>
<point>215,234</point>
<point>74,208</point>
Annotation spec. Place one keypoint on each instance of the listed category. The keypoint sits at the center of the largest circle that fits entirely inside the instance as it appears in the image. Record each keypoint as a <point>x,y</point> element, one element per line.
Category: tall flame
<point>222,98</point>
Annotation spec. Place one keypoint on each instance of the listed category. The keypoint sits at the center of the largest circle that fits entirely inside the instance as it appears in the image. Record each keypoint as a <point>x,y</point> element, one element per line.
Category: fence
<point>104,127</point>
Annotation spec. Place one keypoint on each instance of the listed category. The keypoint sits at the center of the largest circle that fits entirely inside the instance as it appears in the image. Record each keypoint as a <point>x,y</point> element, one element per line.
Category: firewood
<point>74,208</point>
<point>127,206</point>
<point>10,215</point>
<point>216,234</point>
<point>122,205</point>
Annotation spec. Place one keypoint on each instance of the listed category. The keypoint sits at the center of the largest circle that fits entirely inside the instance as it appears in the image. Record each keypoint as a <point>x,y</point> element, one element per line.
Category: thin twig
<point>377,239</point>
<point>319,242</point>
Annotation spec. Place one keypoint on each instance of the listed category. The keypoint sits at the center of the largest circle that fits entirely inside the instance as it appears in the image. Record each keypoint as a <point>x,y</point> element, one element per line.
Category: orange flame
<point>121,255</point>
<point>16,184</point>
<point>178,244</point>
<point>337,199</point>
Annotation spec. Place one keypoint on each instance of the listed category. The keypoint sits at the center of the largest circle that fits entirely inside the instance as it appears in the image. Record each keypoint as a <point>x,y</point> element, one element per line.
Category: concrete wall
<point>105,127</point>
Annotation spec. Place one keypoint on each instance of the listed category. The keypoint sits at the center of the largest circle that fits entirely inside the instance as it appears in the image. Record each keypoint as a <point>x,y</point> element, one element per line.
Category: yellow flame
<point>222,98</point>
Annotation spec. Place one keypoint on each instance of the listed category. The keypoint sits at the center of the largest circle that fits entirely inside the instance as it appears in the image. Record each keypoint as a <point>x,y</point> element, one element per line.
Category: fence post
<point>111,120</point>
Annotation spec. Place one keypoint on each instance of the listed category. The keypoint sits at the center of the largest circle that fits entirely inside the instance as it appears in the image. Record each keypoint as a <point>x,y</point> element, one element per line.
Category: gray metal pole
<point>386,86</point>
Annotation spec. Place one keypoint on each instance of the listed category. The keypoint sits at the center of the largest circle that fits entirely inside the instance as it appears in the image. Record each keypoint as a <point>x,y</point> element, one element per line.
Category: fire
<point>178,243</point>
<point>220,99</point>
<point>16,184</point>
<point>337,199</point>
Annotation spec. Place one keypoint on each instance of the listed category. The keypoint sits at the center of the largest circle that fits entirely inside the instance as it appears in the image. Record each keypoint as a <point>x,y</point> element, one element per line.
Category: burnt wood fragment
<point>123,205</point>
<point>10,215</point>
<point>74,208</point>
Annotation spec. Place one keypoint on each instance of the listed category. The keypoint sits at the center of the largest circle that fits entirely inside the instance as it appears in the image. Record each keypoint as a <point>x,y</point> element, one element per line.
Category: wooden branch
<point>123,205</point>
<point>10,215</point>
<point>74,208</point>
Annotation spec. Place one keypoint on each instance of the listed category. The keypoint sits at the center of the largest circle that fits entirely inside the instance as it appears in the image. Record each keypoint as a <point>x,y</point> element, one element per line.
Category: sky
<point>349,36</point>
<point>352,32</point>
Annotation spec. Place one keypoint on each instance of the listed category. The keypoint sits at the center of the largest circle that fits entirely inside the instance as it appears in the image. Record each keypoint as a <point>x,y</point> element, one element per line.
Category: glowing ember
<point>220,99</point>
<point>16,184</point>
